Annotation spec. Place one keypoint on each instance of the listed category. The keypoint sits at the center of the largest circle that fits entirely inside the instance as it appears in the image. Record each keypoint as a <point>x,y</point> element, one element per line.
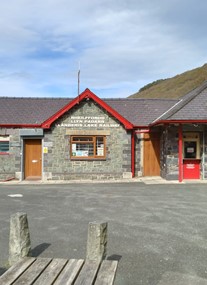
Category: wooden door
<point>32,158</point>
<point>151,154</point>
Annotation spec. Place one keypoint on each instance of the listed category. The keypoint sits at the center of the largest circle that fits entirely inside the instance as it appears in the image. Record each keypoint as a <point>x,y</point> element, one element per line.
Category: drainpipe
<point>180,153</point>
<point>133,153</point>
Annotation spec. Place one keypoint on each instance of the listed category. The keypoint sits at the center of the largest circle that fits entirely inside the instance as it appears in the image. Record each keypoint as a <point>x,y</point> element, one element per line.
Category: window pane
<point>87,147</point>
<point>4,146</point>
<point>190,149</point>
<point>82,139</point>
<point>100,146</point>
<point>82,149</point>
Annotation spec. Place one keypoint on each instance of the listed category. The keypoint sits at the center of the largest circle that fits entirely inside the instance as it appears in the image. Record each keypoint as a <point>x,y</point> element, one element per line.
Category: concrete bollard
<point>97,241</point>
<point>19,239</point>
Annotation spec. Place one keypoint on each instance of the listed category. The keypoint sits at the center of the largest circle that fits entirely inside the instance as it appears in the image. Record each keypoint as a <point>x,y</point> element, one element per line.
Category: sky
<point>119,45</point>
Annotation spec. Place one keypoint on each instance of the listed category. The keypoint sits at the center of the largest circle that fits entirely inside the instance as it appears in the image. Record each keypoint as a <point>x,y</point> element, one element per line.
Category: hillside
<point>174,87</point>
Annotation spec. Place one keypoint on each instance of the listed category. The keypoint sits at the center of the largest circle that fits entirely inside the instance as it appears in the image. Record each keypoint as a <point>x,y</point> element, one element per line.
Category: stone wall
<point>11,163</point>
<point>57,162</point>
<point>138,166</point>
<point>169,153</point>
<point>203,152</point>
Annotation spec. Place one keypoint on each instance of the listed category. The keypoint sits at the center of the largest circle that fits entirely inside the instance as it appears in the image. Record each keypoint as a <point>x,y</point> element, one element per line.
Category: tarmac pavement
<point>158,232</point>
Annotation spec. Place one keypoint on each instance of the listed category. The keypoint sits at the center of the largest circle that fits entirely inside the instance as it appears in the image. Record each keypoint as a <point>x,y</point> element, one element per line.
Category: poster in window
<point>82,153</point>
<point>100,151</point>
<point>190,149</point>
<point>73,147</point>
<point>85,153</point>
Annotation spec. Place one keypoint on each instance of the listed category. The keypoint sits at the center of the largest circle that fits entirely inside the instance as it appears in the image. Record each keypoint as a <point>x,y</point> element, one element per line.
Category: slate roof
<point>140,112</point>
<point>192,106</point>
<point>29,110</point>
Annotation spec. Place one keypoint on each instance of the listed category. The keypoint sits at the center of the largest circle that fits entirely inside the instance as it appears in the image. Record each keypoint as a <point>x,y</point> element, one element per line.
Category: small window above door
<point>191,145</point>
<point>190,149</point>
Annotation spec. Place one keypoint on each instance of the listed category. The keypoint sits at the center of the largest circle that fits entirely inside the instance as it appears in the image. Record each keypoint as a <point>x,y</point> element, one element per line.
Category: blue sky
<point>121,45</point>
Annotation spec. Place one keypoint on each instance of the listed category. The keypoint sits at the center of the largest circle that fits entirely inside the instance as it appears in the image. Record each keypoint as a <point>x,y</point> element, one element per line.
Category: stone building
<point>92,138</point>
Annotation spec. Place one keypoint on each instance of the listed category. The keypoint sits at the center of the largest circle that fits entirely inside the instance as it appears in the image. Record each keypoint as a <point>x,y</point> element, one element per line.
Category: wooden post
<point>19,239</point>
<point>97,241</point>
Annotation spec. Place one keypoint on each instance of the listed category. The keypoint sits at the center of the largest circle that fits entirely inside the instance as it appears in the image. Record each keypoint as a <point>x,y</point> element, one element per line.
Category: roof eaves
<point>163,122</point>
<point>187,98</point>
<point>84,95</point>
<point>165,113</point>
<point>141,127</point>
<point>20,125</point>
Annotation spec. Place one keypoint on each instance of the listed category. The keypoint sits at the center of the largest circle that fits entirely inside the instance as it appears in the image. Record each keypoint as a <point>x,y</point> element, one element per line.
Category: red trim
<point>141,131</point>
<point>180,153</point>
<point>178,122</point>
<point>133,153</point>
<point>141,127</point>
<point>87,94</point>
<point>20,126</point>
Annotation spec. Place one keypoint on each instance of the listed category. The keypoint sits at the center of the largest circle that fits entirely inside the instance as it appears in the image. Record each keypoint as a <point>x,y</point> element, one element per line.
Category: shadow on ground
<point>36,251</point>
<point>2,270</point>
<point>114,257</point>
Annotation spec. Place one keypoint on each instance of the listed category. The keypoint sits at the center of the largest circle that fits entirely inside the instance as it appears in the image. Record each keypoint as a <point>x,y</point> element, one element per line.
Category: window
<point>190,149</point>
<point>191,146</point>
<point>4,144</point>
<point>87,147</point>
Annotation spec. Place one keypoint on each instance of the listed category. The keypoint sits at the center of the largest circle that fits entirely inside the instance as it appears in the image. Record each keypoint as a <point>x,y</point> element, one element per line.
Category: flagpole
<point>78,81</point>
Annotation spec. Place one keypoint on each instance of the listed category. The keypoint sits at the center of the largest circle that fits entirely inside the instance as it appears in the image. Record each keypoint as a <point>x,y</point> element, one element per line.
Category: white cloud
<point>121,45</point>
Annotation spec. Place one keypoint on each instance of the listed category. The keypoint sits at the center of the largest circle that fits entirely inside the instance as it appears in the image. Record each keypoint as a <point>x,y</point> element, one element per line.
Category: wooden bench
<point>56,271</point>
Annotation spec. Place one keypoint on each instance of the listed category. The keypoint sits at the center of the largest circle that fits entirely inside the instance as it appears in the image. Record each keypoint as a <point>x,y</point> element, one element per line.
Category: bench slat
<point>70,272</point>
<point>14,271</point>
<point>88,273</point>
<point>51,272</point>
<point>107,272</point>
<point>39,271</point>
<point>33,272</point>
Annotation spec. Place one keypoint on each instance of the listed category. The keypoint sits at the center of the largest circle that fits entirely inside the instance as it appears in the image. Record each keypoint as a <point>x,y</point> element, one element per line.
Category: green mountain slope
<point>174,87</point>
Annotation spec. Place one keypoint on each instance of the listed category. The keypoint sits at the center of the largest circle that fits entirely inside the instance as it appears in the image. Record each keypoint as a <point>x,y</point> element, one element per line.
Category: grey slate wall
<point>138,167</point>
<point>11,163</point>
<point>169,153</point>
<point>57,162</point>
<point>203,151</point>
<point>204,154</point>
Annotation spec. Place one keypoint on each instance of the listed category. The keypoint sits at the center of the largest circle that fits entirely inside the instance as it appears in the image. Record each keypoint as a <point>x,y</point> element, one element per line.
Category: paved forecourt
<point>157,232</point>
